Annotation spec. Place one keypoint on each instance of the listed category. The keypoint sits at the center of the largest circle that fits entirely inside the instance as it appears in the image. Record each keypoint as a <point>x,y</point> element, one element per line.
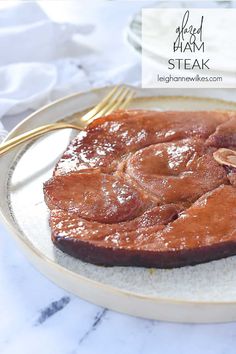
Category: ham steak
<point>142,188</point>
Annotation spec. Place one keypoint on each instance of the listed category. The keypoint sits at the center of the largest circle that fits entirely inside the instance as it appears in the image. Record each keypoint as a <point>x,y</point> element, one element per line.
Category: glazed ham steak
<point>147,188</point>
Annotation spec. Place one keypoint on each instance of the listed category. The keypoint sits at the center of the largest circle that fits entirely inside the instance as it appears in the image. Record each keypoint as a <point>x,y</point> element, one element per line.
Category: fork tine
<point>100,105</point>
<point>119,96</point>
<point>127,100</point>
<point>122,102</point>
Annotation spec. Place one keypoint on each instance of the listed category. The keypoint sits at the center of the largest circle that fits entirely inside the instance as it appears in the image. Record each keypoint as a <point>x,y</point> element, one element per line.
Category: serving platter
<point>202,293</point>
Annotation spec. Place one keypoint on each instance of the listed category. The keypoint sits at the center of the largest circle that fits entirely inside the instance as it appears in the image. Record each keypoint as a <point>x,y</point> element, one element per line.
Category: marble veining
<point>97,321</point>
<point>51,309</point>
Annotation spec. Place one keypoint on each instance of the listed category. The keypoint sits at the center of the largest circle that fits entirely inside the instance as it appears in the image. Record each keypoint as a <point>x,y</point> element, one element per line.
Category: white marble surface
<point>38,317</point>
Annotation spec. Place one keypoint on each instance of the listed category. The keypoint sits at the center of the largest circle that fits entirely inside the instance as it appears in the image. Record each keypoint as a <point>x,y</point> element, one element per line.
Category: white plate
<point>203,293</point>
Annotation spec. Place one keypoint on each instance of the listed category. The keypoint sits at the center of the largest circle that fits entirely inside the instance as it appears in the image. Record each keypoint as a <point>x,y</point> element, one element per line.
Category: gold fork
<point>118,97</point>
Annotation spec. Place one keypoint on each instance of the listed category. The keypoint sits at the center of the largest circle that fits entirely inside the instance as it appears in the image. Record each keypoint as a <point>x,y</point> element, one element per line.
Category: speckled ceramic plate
<point>203,293</point>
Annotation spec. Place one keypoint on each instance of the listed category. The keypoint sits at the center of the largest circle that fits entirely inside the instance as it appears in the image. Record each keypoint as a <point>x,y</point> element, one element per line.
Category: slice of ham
<point>95,196</point>
<point>107,140</point>
<point>225,134</point>
<point>176,172</point>
<point>225,137</point>
<point>70,225</point>
<point>203,232</point>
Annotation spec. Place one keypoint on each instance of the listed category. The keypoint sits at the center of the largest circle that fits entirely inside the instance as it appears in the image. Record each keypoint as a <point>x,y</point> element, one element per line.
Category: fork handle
<point>34,133</point>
